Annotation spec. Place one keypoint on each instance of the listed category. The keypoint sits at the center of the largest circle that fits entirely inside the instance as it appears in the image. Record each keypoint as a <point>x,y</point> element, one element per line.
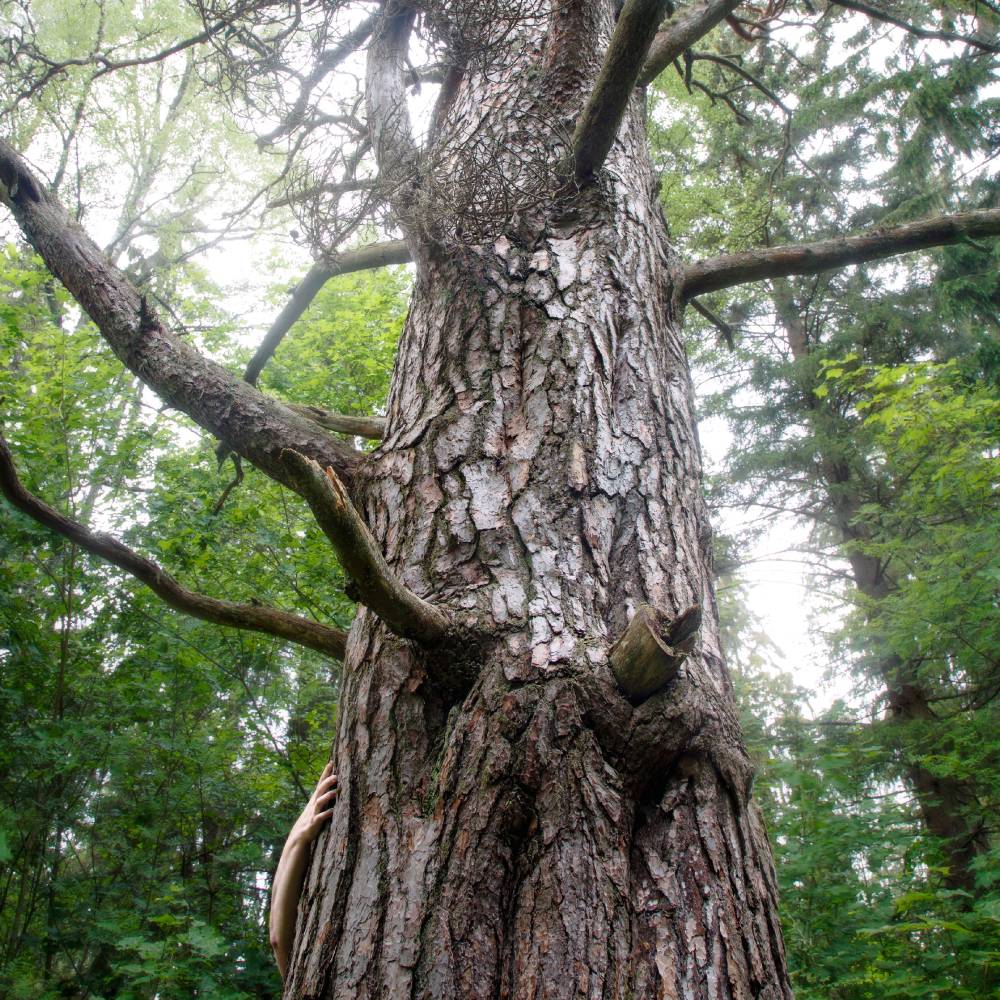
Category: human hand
<point>318,809</point>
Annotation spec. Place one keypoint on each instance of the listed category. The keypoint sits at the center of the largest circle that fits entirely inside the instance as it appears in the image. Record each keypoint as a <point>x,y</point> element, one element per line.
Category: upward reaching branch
<point>254,617</point>
<point>598,125</point>
<point>252,425</point>
<point>326,63</point>
<point>376,255</point>
<point>385,96</point>
<point>810,258</point>
<point>681,32</point>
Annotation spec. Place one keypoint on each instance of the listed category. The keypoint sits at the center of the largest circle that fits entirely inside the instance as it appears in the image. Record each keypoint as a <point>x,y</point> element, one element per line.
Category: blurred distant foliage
<point>151,765</point>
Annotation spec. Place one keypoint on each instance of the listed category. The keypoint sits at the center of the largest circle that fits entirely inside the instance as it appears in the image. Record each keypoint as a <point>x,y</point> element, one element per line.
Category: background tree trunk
<point>530,833</point>
<point>947,804</point>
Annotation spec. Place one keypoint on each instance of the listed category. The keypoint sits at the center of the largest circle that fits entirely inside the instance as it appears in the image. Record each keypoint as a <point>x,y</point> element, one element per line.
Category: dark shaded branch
<point>925,33</point>
<point>680,33</point>
<point>376,255</point>
<point>249,423</point>
<point>602,115</point>
<point>728,334</point>
<point>366,427</point>
<point>230,486</point>
<point>810,258</point>
<point>253,617</point>
<point>378,587</point>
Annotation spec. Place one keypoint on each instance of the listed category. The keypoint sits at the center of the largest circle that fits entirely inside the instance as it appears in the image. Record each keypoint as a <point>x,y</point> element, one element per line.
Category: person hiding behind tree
<point>291,869</point>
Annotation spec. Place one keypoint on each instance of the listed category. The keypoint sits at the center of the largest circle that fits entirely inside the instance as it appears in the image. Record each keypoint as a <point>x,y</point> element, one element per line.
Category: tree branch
<point>253,617</point>
<point>602,115</point>
<point>249,423</point>
<point>718,322</point>
<point>327,62</point>
<point>385,95</point>
<point>745,74</point>
<point>378,587</point>
<point>366,427</point>
<point>810,258</point>
<point>336,188</point>
<point>376,255</point>
<point>680,33</point>
<point>925,33</point>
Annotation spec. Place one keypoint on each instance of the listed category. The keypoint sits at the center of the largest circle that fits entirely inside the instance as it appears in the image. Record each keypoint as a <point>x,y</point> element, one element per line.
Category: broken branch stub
<point>651,649</point>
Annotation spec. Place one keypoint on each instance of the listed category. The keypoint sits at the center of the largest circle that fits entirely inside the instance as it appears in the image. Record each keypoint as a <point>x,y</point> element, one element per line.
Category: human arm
<point>292,866</point>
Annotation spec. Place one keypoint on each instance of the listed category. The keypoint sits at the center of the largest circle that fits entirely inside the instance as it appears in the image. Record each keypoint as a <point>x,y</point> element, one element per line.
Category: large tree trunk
<point>510,825</point>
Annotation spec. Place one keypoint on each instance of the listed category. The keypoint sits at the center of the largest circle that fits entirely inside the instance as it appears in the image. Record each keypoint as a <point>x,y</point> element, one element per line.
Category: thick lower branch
<point>379,588</point>
<point>680,33</point>
<point>253,617</point>
<point>602,116</point>
<point>252,425</point>
<point>810,258</point>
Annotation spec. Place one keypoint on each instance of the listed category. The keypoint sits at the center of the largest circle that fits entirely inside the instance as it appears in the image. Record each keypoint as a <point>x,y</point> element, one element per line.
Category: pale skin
<point>292,866</point>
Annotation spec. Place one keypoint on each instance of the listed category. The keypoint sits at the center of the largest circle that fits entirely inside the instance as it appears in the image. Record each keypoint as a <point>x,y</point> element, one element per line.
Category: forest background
<point>150,765</point>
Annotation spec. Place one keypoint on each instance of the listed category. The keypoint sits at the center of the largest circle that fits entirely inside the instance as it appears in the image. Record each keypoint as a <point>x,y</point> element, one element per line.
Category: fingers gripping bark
<point>379,588</point>
<point>249,423</point>
<point>254,617</point>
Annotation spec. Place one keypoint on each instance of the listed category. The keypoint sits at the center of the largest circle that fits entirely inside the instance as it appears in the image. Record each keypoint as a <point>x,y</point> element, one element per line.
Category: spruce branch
<point>728,270</point>
<point>927,34</point>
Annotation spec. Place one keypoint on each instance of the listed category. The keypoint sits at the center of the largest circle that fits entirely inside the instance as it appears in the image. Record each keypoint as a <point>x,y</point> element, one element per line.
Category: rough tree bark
<point>532,834</point>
